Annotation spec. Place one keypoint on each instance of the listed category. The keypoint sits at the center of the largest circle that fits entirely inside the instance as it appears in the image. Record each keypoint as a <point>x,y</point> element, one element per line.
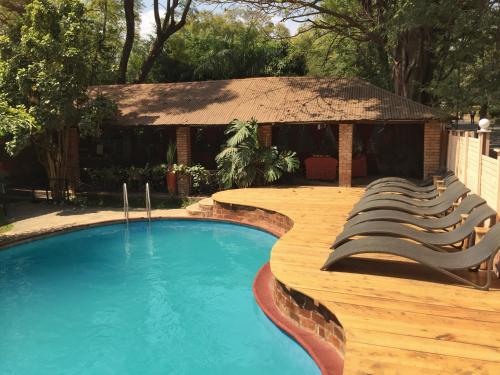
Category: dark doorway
<point>391,150</point>
<point>206,143</point>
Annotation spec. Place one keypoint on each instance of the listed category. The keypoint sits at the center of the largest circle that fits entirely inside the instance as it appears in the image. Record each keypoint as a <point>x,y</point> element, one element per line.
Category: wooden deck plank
<point>399,317</point>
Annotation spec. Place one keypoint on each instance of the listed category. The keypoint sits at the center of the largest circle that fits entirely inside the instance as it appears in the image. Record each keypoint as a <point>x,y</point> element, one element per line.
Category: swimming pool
<point>170,297</point>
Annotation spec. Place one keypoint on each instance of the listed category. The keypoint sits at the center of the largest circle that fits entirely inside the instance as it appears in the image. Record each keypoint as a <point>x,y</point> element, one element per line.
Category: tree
<point>471,71</point>
<point>415,36</point>
<point>128,6</point>
<point>234,44</point>
<point>245,161</point>
<point>173,20</point>
<point>9,11</point>
<point>107,31</point>
<point>44,72</point>
<point>330,55</point>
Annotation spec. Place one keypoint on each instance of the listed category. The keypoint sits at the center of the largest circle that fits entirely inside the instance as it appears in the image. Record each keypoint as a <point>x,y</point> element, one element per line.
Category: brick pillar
<point>73,166</point>
<point>265,134</point>
<point>432,143</point>
<point>183,142</point>
<point>345,154</point>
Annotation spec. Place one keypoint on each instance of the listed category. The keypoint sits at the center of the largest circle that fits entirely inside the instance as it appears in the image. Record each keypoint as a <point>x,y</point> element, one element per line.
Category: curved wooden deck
<point>399,317</point>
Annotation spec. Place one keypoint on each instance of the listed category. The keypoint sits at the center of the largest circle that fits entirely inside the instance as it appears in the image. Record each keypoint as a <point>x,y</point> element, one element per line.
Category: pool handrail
<point>125,202</point>
<point>148,202</point>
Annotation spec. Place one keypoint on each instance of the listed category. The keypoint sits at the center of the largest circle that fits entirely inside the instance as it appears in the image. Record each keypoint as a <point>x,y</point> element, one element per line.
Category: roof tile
<point>268,99</point>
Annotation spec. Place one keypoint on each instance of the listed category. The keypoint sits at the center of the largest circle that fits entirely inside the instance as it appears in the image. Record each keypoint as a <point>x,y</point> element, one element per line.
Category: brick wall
<point>432,147</point>
<point>271,221</point>
<point>183,142</point>
<point>345,154</point>
<point>308,315</point>
<point>311,316</point>
<point>265,134</point>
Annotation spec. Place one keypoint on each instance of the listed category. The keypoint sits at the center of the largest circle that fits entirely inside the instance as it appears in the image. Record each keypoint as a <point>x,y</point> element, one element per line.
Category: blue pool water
<point>172,297</point>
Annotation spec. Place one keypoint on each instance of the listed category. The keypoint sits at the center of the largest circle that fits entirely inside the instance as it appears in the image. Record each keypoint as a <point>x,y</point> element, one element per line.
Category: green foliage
<point>16,127</point>
<point>329,55</point>
<point>112,178</point>
<point>235,44</point>
<point>47,65</point>
<point>107,29</point>
<point>245,162</point>
<point>94,113</point>
<point>171,153</point>
<point>200,177</point>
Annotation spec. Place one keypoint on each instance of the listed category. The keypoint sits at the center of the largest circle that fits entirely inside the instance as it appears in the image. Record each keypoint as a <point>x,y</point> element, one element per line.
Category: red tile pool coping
<point>325,355</point>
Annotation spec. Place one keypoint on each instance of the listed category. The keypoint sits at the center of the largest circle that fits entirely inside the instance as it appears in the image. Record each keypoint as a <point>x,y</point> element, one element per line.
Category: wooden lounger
<point>432,240</point>
<point>443,262</point>
<point>454,217</point>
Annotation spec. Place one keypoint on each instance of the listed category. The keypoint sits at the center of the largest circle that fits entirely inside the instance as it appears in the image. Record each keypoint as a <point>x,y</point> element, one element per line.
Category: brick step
<point>206,204</point>
<point>202,208</point>
<point>194,210</point>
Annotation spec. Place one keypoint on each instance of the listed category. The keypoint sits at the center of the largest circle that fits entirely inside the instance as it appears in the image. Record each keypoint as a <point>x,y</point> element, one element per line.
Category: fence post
<point>457,155</point>
<point>484,146</point>
<point>466,157</point>
<point>448,149</point>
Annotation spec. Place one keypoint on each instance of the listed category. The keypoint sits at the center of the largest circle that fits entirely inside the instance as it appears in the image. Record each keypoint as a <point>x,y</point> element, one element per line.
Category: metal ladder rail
<point>148,202</point>
<point>125,202</point>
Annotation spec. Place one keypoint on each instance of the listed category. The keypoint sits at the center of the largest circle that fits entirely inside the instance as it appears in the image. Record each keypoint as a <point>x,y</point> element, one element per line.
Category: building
<point>345,106</point>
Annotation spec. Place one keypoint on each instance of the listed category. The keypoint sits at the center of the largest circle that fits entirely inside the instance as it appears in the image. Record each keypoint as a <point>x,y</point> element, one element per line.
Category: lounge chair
<point>433,207</point>
<point>433,240</point>
<point>458,189</point>
<point>398,180</point>
<point>454,217</point>
<point>384,189</point>
<point>443,262</point>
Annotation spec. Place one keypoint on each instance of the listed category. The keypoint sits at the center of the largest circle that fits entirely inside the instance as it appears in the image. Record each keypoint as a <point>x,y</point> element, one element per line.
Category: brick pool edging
<point>328,359</point>
<point>310,323</point>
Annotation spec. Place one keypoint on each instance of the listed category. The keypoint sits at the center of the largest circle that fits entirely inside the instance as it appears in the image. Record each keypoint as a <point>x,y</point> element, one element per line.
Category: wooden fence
<point>467,157</point>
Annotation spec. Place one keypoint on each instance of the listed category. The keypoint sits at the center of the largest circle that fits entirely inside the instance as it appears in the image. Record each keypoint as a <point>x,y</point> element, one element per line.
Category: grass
<point>4,226</point>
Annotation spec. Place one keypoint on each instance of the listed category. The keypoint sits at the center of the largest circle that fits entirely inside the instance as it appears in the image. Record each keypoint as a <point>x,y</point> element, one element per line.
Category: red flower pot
<point>171,182</point>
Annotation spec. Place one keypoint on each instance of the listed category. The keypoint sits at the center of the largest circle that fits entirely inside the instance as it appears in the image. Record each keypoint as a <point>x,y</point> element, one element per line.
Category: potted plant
<point>171,178</point>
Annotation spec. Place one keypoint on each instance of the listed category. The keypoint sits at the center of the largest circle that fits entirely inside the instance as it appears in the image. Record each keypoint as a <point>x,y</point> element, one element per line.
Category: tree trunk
<point>483,110</point>
<point>129,40</point>
<point>53,155</point>
<point>148,63</point>
<point>412,68</point>
<point>100,44</point>
<point>164,29</point>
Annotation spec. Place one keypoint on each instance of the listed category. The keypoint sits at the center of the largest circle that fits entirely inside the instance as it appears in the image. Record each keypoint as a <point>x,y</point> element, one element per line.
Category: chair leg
<point>486,286</point>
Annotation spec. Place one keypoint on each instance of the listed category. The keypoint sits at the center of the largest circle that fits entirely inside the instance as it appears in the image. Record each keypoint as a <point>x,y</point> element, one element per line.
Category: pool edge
<point>328,359</point>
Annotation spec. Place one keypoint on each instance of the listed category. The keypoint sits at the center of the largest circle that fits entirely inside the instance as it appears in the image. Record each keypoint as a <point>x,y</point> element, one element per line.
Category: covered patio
<point>349,109</point>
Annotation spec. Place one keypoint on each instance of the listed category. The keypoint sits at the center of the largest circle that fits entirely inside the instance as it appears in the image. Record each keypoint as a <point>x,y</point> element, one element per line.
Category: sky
<point>147,18</point>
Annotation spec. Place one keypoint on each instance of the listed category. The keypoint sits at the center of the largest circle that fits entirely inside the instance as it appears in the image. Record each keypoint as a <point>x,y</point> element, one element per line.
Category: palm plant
<point>245,161</point>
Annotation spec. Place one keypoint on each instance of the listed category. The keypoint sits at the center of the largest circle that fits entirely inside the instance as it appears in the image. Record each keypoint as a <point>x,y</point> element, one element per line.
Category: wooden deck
<point>399,317</point>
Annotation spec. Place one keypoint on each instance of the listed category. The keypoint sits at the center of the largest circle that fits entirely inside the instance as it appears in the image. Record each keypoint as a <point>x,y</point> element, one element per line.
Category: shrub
<point>245,162</point>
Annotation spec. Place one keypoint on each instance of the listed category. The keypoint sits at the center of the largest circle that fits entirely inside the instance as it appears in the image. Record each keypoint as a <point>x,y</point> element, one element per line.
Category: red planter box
<point>321,168</point>
<point>359,166</point>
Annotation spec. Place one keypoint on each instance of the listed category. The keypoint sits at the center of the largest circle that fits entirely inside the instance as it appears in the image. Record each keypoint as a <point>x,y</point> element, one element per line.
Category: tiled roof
<point>269,100</point>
